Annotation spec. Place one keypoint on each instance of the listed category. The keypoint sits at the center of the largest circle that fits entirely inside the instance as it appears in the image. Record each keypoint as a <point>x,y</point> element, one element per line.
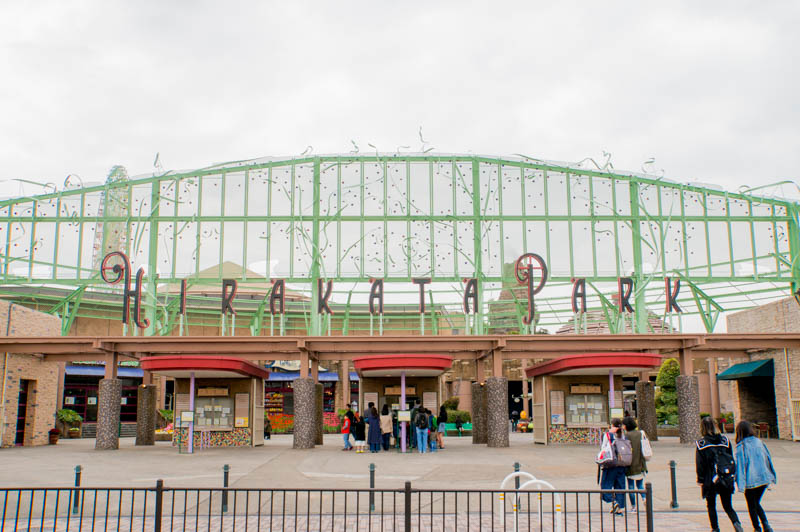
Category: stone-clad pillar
<point>646,409</point>
<point>497,411</point>
<point>478,413</point>
<point>319,407</point>
<point>305,426</point>
<point>146,401</point>
<point>108,408</point>
<point>688,408</point>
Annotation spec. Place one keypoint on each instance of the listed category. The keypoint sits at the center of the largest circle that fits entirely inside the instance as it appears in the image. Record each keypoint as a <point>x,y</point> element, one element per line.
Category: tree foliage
<point>667,397</point>
<point>668,374</point>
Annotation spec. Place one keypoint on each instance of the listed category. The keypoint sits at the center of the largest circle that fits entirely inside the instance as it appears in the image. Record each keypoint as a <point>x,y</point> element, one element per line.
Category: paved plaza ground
<point>460,466</point>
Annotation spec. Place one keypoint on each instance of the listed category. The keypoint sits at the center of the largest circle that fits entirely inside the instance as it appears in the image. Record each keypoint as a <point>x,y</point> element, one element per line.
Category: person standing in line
<point>635,472</point>
<point>613,475</point>
<point>359,431</point>
<point>386,426</point>
<point>754,473</point>
<point>412,434</point>
<point>347,423</point>
<point>432,424</point>
<point>716,472</point>
<point>441,429</point>
<point>374,434</point>
<point>421,430</point>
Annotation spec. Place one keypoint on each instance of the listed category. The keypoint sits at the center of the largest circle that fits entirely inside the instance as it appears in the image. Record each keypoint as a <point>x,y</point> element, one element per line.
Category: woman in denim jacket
<point>754,472</point>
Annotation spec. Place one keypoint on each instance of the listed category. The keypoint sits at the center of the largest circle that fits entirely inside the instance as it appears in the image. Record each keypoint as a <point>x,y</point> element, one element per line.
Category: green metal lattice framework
<point>350,218</point>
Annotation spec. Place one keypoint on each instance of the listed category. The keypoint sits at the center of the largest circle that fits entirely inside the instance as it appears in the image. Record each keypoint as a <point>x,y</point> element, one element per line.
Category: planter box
<point>74,433</point>
<point>163,437</point>
<point>668,431</point>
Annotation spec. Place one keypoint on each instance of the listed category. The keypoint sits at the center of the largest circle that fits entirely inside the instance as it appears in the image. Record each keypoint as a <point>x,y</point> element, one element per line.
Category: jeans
<point>432,440</point>
<point>374,447</point>
<point>613,478</point>
<point>422,439</point>
<point>346,438</point>
<point>711,504</point>
<point>635,484</point>
<point>753,498</point>
<point>385,437</point>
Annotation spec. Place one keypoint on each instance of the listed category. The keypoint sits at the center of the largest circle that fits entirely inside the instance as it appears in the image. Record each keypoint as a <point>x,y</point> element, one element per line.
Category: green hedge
<point>463,415</point>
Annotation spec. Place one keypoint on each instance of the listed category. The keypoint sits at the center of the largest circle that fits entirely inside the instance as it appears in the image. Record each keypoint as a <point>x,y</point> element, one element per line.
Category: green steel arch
<point>352,217</point>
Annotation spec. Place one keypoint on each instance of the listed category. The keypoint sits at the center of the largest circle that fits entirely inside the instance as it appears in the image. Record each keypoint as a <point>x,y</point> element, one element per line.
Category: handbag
<point>606,455</point>
<point>647,450</point>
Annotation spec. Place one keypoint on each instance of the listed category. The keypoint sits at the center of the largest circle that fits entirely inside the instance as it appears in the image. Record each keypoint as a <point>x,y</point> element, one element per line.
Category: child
<point>360,429</point>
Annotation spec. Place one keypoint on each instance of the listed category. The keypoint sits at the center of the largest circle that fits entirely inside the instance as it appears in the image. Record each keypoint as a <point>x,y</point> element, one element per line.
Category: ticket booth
<point>219,401</point>
<point>576,396</point>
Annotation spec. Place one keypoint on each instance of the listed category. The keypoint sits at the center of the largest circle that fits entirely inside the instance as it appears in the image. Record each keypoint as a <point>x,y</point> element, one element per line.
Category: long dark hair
<point>708,426</point>
<point>743,430</point>
<point>442,415</point>
<point>385,411</point>
<point>373,412</point>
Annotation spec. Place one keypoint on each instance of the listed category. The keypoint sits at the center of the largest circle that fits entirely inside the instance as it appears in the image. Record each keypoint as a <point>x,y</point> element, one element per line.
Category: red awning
<point>203,367</point>
<point>596,364</point>
<point>393,365</point>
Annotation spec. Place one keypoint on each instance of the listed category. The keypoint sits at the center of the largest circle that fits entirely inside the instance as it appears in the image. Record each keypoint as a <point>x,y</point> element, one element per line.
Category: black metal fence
<point>163,508</point>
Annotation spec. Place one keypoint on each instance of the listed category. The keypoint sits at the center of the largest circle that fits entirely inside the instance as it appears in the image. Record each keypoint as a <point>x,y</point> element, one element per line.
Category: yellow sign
<point>240,422</point>
<point>397,390</point>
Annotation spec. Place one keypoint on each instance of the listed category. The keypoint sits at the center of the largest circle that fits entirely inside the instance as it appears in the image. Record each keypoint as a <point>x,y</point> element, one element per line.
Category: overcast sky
<point>707,88</point>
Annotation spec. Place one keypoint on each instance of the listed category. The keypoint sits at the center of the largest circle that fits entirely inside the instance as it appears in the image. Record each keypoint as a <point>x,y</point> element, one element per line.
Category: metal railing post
<point>225,470</point>
<point>76,499</point>
<point>372,487</point>
<point>408,507</point>
<point>516,479</point>
<point>159,505</point>
<point>674,503</point>
<point>648,487</point>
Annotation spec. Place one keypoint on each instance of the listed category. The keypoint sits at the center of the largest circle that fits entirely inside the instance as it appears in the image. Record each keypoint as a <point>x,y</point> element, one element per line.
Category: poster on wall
<point>429,401</point>
<point>370,397</point>
<point>69,400</point>
<point>404,415</point>
<point>557,411</point>
<point>91,401</point>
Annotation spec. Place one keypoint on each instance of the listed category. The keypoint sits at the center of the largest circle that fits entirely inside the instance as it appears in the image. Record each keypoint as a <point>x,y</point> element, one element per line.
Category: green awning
<point>756,368</point>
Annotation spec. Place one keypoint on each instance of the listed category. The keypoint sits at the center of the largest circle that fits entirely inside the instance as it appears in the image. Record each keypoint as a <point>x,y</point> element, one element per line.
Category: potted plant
<point>53,435</point>
<point>67,419</point>
<point>74,432</point>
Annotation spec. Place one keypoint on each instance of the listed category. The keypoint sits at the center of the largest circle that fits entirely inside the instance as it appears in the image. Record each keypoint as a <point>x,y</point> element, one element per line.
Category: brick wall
<point>779,316</point>
<point>16,320</point>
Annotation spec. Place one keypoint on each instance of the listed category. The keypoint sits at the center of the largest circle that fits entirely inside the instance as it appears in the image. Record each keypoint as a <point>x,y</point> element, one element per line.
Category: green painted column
<point>639,278</point>
<point>316,318</point>
<point>150,293</point>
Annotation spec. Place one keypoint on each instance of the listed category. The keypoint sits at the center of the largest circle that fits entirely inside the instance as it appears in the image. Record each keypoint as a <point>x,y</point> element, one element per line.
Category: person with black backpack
<point>716,472</point>
<point>421,429</point>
